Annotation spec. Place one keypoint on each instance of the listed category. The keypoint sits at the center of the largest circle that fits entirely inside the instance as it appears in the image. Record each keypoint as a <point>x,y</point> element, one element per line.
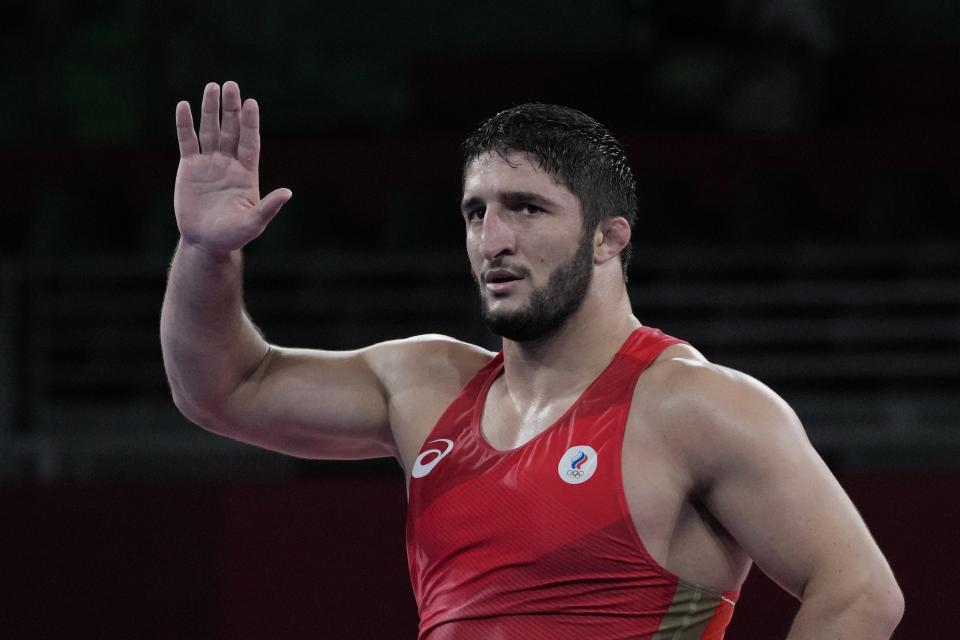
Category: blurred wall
<point>325,558</point>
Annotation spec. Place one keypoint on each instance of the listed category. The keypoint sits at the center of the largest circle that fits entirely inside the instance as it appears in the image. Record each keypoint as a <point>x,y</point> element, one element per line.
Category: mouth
<point>500,280</point>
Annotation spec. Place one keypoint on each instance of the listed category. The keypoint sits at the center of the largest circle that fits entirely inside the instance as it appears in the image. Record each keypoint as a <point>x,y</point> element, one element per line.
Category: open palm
<point>217,194</point>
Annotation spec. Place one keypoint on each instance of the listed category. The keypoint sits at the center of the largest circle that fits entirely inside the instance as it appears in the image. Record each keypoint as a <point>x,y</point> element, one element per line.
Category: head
<point>566,158</point>
<point>572,147</point>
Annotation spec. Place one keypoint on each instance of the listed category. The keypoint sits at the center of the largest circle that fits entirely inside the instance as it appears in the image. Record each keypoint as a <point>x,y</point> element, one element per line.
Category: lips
<point>499,276</point>
<point>500,281</point>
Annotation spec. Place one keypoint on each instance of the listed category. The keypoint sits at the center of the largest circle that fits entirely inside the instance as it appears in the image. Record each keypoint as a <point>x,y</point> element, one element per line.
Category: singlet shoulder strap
<point>466,400</point>
<point>645,344</point>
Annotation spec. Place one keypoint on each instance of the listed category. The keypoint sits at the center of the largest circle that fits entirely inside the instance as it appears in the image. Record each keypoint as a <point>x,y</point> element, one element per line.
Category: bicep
<point>774,494</point>
<point>313,404</point>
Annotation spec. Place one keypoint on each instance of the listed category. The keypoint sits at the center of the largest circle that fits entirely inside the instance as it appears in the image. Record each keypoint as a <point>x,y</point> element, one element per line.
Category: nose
<point>497,236</point>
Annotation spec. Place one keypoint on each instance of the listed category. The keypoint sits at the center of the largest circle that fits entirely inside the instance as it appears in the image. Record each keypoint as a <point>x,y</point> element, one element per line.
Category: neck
<point>567,360</point>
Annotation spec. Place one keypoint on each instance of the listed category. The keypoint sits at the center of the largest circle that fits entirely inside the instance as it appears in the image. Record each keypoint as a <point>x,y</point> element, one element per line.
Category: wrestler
<point>596,478</point>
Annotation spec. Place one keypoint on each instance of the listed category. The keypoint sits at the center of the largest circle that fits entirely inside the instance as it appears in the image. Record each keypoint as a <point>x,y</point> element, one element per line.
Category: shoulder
<point>426,360</point>
<point>713,417</point>
<point>419,378</point>
<point>681,379</point>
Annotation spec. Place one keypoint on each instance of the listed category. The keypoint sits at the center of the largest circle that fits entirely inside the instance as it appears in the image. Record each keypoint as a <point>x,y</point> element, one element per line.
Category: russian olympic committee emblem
<point>577,465</point>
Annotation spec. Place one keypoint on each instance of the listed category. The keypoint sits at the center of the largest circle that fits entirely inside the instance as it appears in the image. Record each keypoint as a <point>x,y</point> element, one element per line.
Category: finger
<point>248,147</point>
<point>210,119</point>
<point>270,205</point>
<point>230,127</point>
<point>186,136</point>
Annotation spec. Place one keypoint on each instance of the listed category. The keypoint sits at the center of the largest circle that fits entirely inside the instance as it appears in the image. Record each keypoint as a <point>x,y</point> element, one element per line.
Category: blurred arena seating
<point>798,180</point>
<point>863,341</point>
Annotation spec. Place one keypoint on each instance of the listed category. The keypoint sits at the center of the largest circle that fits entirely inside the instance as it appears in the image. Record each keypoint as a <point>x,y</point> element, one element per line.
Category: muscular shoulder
<point>420,377</point>
<point>711,416</point>
<point>431,360</point>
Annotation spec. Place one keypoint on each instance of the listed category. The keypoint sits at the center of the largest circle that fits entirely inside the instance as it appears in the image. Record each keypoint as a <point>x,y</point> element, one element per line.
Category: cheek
<point>473,253</point>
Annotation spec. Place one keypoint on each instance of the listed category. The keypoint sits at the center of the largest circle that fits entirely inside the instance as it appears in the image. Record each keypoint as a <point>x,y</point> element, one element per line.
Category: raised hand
<point>217,193</point>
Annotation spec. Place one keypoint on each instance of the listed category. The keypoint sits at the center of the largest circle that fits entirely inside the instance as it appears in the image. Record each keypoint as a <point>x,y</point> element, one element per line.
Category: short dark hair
<point>572,147</point>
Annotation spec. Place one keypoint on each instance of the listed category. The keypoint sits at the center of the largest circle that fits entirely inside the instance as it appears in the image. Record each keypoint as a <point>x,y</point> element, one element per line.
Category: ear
<point>611,236</point>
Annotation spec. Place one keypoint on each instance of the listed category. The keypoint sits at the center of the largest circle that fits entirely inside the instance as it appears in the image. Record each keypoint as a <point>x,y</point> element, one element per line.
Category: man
<point>597,478</point>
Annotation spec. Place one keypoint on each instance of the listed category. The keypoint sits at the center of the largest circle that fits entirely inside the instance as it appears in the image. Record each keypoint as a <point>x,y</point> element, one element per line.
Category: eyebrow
<point>511,199</point>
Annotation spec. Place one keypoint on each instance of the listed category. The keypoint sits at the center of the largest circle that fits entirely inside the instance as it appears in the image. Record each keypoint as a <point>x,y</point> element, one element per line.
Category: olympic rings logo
<point>575,473</point>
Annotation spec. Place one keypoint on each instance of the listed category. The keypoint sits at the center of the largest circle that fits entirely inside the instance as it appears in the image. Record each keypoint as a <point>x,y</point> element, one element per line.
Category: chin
<point>520,325</point>
<point>505,311</point>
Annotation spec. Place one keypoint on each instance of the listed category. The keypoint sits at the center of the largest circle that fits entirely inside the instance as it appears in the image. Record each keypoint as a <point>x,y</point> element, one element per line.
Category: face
<point>528,253</point>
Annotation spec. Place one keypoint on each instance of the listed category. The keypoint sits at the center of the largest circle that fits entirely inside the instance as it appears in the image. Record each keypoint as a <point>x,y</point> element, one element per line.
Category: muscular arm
<point>222,373</point>
<point>224,376</point>
<point>765,483</point>
<point>210,346</point>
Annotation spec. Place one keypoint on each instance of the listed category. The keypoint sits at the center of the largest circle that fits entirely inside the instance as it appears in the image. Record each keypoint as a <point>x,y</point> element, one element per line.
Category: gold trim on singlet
<point>691,612</point>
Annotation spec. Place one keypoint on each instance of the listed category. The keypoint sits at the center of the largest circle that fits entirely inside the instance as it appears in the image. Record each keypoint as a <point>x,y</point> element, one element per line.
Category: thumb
<point>270,204</point>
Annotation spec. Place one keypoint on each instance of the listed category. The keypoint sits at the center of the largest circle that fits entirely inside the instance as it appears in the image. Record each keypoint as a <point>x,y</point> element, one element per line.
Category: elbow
<point>890,604</point>
<point>873,605</point>
<point>881,602</point>
<point>207,415</point>
<point>885,598</point>
<point>190,409</point>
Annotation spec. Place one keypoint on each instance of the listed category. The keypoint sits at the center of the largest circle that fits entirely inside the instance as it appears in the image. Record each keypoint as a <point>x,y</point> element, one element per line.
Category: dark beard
<point>550,306</point>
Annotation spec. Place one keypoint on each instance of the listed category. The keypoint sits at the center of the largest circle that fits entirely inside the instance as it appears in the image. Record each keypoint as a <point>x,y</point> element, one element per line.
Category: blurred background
<point>798,171</point>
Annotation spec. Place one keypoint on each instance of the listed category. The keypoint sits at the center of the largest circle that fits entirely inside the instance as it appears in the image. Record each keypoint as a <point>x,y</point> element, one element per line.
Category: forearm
<point>867,615</point>
<point>209,343</point>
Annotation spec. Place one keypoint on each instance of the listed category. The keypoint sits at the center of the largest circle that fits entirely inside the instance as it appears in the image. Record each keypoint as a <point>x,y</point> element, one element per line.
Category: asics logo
<point>421,466</point>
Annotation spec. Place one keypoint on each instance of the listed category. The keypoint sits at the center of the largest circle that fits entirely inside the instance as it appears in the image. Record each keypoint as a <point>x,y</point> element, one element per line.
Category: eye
<point>475,213</point>
<point>529,208</point>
